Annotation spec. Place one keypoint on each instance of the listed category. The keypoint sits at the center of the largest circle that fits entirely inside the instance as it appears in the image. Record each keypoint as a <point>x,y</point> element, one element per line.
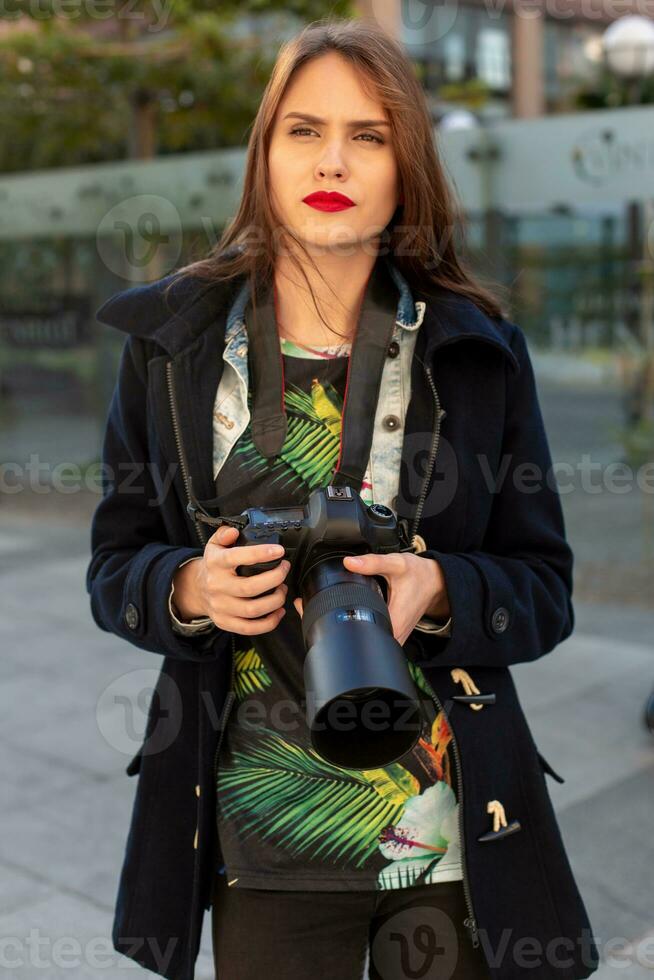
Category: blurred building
<point>530,59</point>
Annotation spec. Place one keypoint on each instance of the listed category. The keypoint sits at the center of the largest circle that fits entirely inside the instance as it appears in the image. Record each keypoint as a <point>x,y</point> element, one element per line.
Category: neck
<point>297,317</point>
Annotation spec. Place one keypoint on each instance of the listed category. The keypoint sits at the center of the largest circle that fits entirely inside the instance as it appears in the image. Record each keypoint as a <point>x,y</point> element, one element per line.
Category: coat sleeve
<point>511,601</point>
<point>132,565</point>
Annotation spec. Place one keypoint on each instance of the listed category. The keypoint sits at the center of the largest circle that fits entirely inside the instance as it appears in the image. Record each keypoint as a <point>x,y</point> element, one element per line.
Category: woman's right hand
<point>209,586</point>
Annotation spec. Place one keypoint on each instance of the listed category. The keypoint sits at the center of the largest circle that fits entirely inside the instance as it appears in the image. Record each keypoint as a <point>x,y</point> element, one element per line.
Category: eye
<point>301,130</point>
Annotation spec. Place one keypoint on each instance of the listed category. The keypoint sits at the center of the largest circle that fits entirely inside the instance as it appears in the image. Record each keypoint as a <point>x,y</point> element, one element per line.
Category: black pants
<point>408,934</point>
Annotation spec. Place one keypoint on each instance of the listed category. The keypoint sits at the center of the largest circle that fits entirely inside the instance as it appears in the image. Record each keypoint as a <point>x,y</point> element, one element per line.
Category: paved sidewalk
<point>67,800</point>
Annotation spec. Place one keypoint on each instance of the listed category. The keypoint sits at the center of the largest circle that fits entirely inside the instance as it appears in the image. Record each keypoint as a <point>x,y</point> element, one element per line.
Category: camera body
<point>334,523</point>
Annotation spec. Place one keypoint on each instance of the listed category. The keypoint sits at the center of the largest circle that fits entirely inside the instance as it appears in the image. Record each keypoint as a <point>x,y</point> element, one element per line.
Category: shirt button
<point>132,616</point>
<point>500,619</point>
<point>393,349</point>
<point>391,422</point>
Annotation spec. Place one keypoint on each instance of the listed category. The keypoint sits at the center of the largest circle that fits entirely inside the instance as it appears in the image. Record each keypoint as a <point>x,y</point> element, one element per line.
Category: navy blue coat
<point>495,527</point>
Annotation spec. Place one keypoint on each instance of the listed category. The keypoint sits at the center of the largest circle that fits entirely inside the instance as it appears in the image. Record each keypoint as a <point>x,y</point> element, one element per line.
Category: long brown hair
<point>420,235</point>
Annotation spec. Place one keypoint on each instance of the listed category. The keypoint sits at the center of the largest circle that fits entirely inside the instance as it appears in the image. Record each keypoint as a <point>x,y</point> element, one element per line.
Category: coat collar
<point>176,321</point>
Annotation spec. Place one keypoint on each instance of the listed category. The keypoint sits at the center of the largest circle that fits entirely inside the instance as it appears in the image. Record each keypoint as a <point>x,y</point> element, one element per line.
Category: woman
<point>448,861</point>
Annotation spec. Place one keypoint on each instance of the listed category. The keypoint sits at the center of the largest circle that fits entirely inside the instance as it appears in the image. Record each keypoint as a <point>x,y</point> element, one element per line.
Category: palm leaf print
<point>395,783</point>
<point>312,443</point>
<point>419,678</point>
<point>282,791</point>
<point>408,873</point>
<point>251,674</point>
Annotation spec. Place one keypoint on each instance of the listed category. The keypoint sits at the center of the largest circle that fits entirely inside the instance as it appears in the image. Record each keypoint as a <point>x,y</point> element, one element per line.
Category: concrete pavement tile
<point>18,888</point>
<point>616,970</point>
<point>593,721</point>
<point>608,841</point>
<point>75,841</point>
<point>611,620</point>
<point>72,738</point>
<point>578,663</point>
<point>62,937</point>
<point>61,590</point>
<point>28,781</point>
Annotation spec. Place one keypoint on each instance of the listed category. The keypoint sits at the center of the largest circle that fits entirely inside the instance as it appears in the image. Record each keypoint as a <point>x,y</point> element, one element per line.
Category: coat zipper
<point>470,922</point>
<point>231,696</point>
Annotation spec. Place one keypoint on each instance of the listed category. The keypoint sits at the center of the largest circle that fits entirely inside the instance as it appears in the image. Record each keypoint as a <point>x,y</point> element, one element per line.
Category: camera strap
<point>365,368</point>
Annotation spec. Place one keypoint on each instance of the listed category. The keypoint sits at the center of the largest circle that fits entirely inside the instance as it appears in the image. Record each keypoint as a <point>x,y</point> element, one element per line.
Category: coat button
<point>132,616</point>
<point>393,349</point>
<point>501,827</point>
<point>500,619</point>
<point>391,422</point>
<point>462,677</point>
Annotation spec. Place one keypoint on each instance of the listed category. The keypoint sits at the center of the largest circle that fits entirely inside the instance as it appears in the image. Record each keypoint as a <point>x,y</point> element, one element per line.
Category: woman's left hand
<point>415,585</point>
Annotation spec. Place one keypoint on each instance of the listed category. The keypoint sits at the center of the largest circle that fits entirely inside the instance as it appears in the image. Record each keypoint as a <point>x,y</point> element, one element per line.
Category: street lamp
<point>628,47</point>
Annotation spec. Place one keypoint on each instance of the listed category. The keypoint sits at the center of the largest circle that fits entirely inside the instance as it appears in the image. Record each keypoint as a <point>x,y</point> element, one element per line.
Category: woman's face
<point>334,154</point>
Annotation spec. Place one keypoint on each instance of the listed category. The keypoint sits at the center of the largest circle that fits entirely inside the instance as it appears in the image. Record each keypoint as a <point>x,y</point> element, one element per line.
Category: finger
<point>250,554</point>
<point>299,606</point>
<point>261,606</point>
<point>249,586</point>
<point>253,627</point>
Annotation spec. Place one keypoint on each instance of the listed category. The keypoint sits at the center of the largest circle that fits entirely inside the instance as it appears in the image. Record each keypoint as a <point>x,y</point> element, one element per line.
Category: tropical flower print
<point>424,844</point>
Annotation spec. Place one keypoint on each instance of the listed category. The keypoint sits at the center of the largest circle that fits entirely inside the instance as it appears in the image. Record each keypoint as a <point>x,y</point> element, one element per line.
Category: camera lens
<point>354,662</point>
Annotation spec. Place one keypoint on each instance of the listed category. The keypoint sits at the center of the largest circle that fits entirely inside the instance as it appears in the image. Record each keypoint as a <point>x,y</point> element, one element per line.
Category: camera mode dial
<point>381,512</point>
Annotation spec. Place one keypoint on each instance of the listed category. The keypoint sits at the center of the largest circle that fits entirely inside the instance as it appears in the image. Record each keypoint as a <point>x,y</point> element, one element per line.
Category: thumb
<point>370,564</point>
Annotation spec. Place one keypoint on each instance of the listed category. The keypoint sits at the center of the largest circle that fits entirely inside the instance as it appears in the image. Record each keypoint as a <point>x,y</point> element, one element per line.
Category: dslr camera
<point>362,707</point>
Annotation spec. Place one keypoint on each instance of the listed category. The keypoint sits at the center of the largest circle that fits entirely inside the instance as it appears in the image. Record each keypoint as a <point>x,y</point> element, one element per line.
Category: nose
<point>331,164</point>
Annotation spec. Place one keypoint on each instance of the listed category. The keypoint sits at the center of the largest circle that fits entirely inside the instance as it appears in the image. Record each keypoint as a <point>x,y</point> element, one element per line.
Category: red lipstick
<point>328,201</point>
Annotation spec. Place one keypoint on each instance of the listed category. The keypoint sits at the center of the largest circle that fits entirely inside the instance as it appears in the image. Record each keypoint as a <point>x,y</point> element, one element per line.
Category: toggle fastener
<point>500,826</point>
<point>460,676</point>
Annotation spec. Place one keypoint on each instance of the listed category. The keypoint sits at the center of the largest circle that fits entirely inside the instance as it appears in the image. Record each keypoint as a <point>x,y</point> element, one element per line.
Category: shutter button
<point>393,349</point>
<point>132,616</point>
<point>391,422</point>
<point>500,619</point>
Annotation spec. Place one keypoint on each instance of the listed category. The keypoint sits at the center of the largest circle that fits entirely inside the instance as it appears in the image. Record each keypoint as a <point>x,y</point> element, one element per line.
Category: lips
<point>328,201</point>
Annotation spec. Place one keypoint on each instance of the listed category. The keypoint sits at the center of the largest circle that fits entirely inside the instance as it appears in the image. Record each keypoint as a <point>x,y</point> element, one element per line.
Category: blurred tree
<point>607,91</point>
<point>137,79</point>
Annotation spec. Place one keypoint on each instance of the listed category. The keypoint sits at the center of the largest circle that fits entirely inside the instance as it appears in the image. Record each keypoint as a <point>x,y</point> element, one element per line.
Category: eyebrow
<point>353,123</point>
